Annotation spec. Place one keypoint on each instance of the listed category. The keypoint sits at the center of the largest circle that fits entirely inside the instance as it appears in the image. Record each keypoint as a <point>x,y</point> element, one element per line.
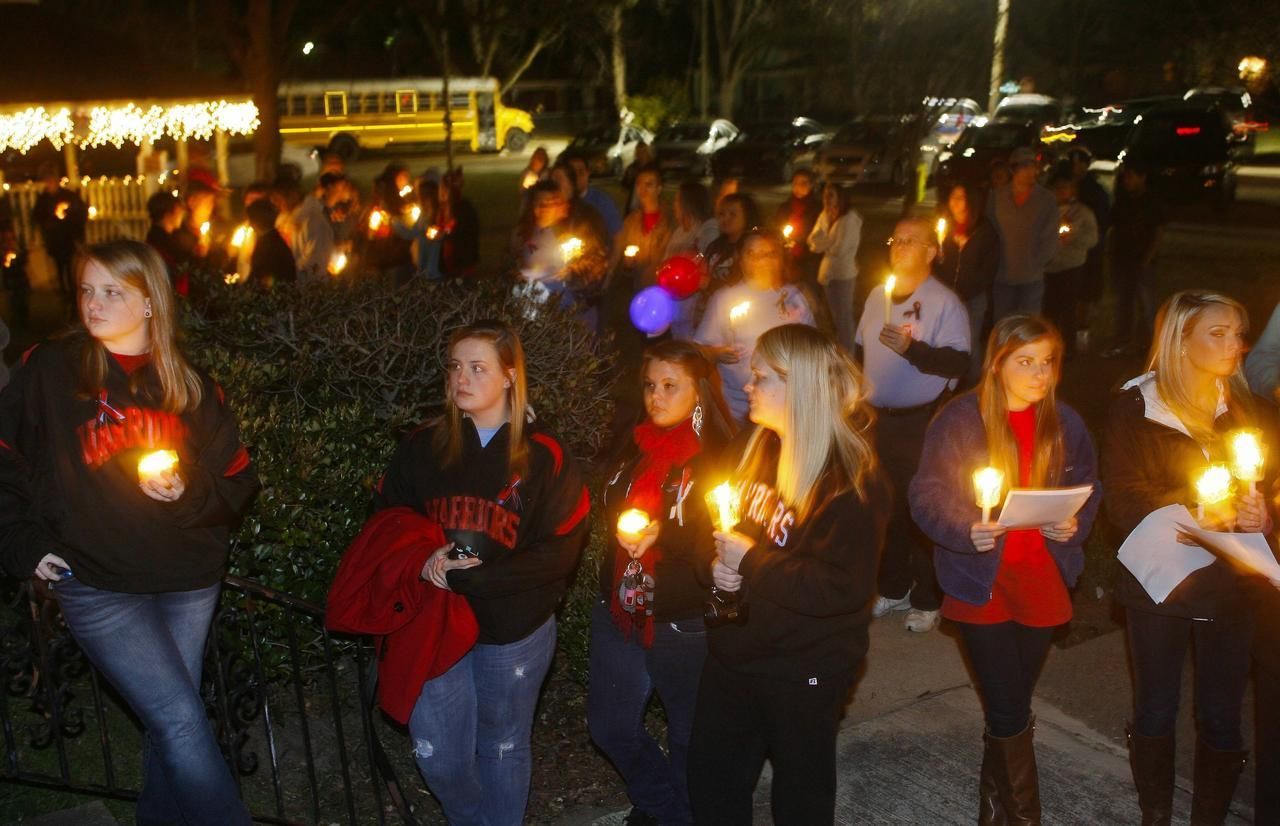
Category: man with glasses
<point>912,362</point>
<point>1025,216</point>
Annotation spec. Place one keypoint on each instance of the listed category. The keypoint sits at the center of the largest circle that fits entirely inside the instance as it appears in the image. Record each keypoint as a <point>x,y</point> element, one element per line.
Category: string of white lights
<point>128,123</point>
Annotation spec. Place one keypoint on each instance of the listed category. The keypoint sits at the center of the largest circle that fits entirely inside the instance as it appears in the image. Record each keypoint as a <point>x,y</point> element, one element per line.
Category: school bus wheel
<point>517,139</point>
<point>345,147</point>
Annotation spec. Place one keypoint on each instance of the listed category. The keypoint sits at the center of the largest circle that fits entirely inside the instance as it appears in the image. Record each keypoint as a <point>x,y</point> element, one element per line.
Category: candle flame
<point>432,232</point>
<point>204,230</point>
<point>1246,456</point>
<point>942,230</point>
<point>375,219</point>
<point>1214,485</point>
<point>571,248</point>
<point>988,483</point>
<point>889,284</point>
<point>338,263</point>
<point>93,213</point>
<point>157,462</point>
<point>631,251</point>
<point>9,258</point>
<point>243,233</point>
<point>406,191</point>
<point>739,311</point>
<point>632,522</point>
<point>530,178</point>
<point>415,213</point>
<point>787,231</point>
<point>1064,229</point>
<point>722,500</point>
<point>61,210</point>
<point>231,278</point>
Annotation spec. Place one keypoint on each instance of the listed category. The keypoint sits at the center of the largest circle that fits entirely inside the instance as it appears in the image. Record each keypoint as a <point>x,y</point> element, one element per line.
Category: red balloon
<point>680,276</point>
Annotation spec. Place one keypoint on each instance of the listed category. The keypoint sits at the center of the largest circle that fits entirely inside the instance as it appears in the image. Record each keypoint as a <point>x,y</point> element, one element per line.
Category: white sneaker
<point>885,606</point>
<point>922,621</point>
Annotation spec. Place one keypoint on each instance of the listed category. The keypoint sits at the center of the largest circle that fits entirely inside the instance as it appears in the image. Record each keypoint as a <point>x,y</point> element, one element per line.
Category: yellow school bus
<point>348,115</point>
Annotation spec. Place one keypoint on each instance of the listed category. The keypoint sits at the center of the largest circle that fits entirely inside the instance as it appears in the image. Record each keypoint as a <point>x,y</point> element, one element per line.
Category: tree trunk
<point>729,91</point>
<point>262,68</point>
<point>445,70</point>
<point>619,58</point>
<point>997,53</point>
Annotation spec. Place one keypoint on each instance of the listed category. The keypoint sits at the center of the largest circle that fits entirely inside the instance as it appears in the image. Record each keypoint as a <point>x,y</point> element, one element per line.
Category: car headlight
<point>945,156</point>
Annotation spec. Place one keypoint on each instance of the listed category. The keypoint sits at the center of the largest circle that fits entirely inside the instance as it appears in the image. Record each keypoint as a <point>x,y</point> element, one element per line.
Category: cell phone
<point>463,552</point>
<point>63,573</point>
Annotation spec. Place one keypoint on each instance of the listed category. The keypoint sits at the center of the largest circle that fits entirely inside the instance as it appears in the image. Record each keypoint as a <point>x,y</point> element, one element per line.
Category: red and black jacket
<point>69,478</point>
<point>528,530</point>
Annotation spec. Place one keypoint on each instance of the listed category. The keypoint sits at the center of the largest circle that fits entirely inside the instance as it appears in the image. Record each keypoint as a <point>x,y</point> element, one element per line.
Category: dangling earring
<point>146,313</point>
<point>697,420</point>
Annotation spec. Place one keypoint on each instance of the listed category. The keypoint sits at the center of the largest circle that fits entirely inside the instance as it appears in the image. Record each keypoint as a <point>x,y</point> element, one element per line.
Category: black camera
<point>724,607</point>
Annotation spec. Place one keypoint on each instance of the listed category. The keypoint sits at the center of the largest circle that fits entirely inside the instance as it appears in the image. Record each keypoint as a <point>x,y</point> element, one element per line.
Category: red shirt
<point>650,220</point>
<point>1028,589</point>
<point>131,363</point>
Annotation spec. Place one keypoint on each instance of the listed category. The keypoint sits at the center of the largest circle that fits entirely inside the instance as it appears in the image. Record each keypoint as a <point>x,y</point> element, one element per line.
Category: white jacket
<point>838,245</point>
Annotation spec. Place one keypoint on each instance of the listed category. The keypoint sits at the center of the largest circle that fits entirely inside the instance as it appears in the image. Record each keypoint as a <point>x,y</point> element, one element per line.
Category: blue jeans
<point>840,300</point>
<point>150,647</point>
<point>1007,299</point>
<point>1006,659</point>
<point>471,727</point>
<point>624,675</point>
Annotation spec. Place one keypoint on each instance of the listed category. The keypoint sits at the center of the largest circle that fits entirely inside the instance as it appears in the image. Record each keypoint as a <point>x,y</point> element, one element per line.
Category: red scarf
<point>661,451</point>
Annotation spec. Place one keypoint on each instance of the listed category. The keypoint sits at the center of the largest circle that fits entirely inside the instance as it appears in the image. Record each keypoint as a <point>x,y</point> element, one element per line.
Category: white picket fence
<point>117,209</point>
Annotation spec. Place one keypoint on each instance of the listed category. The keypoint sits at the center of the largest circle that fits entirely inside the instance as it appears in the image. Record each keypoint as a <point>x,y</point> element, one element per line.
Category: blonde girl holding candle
<point>135,559</point>
<point>1006,590</point>
<point>1163,429</point>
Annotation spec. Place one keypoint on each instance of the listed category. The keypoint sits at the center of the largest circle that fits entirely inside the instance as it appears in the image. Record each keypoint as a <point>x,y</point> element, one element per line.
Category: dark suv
<point>1191,150</point>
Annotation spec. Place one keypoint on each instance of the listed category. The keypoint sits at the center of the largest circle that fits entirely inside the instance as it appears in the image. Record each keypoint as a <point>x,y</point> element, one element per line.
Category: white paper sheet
<point>1031,508</point>
<point>1248,549</point>
<point>1153,554</point>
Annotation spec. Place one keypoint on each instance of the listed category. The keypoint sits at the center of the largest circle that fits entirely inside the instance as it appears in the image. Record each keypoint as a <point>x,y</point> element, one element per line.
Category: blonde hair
<point>1010,334</point>
<point>1176,321</point>
<point>138,266</point>
<point>826,420</point>
<point>448,439</point>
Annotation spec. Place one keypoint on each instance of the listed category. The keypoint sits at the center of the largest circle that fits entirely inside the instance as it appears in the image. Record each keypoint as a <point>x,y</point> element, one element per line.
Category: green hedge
<point>323,381</point>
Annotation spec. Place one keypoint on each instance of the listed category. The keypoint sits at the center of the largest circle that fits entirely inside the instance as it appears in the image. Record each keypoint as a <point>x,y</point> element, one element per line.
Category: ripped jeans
<point>471,725</point>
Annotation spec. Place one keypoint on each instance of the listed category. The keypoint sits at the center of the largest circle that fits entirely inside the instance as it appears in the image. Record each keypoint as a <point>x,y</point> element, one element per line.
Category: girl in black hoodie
<point>135,556</point>
<point>658,642</point>
<point>812,510</point>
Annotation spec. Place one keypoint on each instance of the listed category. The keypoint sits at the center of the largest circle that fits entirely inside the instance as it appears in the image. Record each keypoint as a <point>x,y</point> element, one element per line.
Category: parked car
<point>1038,109</point>
<point>1236,102</point>
<point>685,149</point>
<point>867,150</point>
<point>1192,151</point>
<point>951,116</point>
<point>770,150</point>
<point>1104,131</point>
<point>609,149</point>
<point>969,160</point>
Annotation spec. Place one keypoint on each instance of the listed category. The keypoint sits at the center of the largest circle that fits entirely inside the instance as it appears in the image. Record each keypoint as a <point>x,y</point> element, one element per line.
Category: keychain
<point>635,592</point>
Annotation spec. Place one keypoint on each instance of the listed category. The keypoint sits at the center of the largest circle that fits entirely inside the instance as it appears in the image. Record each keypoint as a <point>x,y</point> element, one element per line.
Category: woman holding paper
<point>1162,431</point>
<point>813,508</point>
<point>1006,589</point>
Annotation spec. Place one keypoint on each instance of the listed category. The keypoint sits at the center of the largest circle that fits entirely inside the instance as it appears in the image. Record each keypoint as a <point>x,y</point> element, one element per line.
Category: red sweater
<point>1028,589</point>
<point>423,630</point>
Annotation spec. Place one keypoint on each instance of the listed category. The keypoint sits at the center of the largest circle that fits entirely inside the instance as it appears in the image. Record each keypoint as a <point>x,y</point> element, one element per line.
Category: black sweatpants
<point>1006,659</point>
<point>740,721</point>
<point>1061,297</point>
<point>1266,694</point>
<point>907,563</point>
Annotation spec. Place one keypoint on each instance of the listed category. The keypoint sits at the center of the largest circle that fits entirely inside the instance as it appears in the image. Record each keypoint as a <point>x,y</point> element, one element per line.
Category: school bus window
<point>459,100</point>
<point>357,104</point>
<point>426,101</point>
<point>406,102</point>
<point>298,105</point>
<point>282,106</point>
<point>315,104</point>
<point>335,104</point>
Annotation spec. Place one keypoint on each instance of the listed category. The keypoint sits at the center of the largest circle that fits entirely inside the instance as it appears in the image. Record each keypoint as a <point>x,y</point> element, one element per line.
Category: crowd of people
<point>798,469</point>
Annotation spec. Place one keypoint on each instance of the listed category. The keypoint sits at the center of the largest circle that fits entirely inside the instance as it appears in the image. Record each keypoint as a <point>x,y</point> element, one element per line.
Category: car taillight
<point>1186,131</point>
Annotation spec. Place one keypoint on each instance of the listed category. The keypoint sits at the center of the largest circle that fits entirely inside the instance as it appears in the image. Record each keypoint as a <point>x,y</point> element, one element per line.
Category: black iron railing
<point>291,705</point>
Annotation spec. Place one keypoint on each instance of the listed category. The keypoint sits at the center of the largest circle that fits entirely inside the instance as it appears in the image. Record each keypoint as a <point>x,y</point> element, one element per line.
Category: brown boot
<point>990,809</point>
<point>1017,780</point>
<point>1151,761</point>
<point>1216,776</point>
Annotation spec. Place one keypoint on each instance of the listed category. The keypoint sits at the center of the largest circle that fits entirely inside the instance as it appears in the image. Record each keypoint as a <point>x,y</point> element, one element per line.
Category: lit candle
<point>988,482</point>
<point>722,502</point>
<point>337,263</point>
<point>1064,229</point>
<point>375,219</point>
<point>93,213</point>
<point>942,230</point>
<point>415,212</point>
<point>1213,486</point>
<point>787,232</point>
<point>888,297</point>
<point>1246,457</point>
<point>231,278</point>
<point>571,249</point>
<point>736,313</point>
<point>530,178</point>
<point>432,232</point>
<point>204,231</point>
<point>631,523</point>
<point>631,252</point>
<point>61,210</point>
<point>242,234</point>
<point>406,191</point>
<point>155,463</point>
<point>9,259</point>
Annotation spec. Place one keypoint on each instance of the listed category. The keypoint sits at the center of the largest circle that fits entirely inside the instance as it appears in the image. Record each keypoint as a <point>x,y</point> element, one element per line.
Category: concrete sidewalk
<point>910,747</point>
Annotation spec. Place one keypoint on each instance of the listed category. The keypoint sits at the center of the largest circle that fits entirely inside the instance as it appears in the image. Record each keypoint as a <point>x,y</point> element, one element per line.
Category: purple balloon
<point>652,310</point>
